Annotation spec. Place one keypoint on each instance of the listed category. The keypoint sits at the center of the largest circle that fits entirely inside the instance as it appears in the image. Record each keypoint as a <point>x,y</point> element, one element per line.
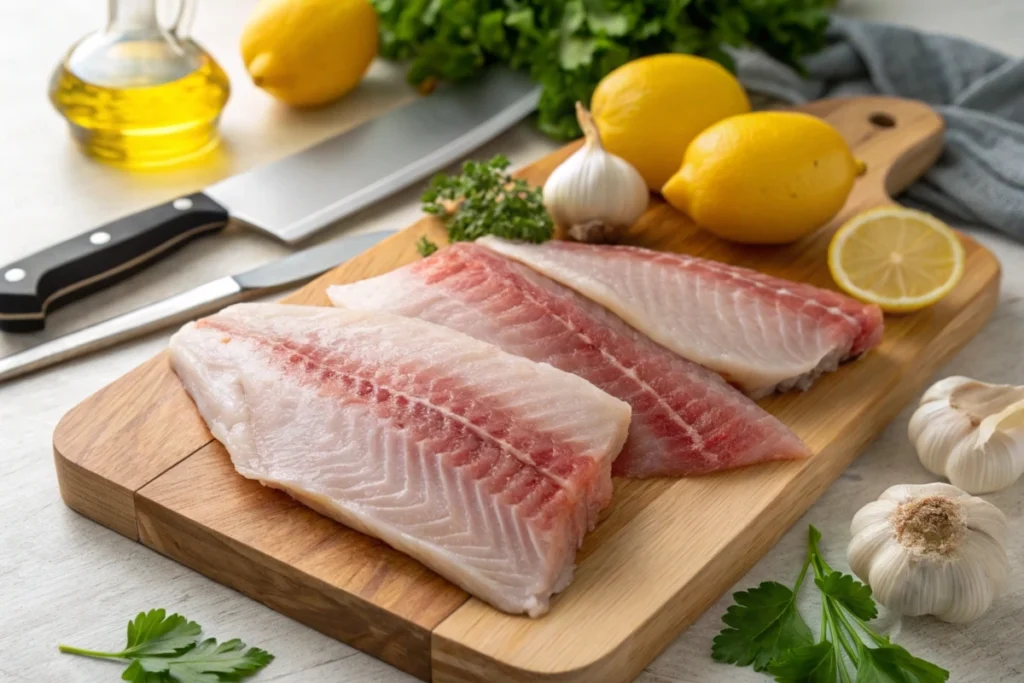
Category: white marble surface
<point>66,579</point>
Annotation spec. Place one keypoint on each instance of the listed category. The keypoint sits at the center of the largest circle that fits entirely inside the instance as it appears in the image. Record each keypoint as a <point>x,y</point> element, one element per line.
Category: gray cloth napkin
<point>979,92</point>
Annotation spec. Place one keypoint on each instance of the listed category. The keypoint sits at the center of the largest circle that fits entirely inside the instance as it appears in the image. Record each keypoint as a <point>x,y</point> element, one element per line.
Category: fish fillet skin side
<point>486,467</point>
<point>760,332</point>
<point>686,420</point>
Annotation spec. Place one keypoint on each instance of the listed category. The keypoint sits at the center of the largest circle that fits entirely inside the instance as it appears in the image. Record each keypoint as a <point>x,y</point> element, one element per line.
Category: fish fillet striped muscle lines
<point>686,419</point>
<point>762,333</point>
<point>484,466</point>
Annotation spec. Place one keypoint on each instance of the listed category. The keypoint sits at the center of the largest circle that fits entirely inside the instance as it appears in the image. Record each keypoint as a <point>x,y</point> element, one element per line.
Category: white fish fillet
<point>484,466</point>
<point>686,419</point>
<point>761,333</point>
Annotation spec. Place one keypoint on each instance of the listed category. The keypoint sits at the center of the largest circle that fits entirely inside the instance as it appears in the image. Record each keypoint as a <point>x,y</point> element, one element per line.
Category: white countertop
<point>66,579</point>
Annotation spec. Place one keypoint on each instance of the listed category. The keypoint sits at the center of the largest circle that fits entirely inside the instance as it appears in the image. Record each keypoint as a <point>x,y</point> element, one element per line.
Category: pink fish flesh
<point>761,333</point>
<point>484,466</point>
<point>686,419</point>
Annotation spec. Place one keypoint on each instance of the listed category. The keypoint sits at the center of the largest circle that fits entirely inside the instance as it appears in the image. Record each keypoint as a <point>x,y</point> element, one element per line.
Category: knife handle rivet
<point>99,237</point>
<point>182,204</point>
<point>14,275</point>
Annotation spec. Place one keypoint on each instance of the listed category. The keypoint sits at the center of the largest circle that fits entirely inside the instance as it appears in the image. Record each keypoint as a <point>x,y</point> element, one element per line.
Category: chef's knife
<point>289,199</point>
<point>212,296</point>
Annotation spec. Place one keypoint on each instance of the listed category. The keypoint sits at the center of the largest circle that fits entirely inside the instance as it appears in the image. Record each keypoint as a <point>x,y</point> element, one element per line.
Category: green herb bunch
<point>766,631</point>
<point>568,46</point>
<point>167,649</point>
<point>485,200</point>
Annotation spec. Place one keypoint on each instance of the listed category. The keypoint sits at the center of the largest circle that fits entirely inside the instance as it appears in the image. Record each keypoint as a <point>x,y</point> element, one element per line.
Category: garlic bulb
<point>593,193</point>
<point>931,549</point>
<point>972,433</point>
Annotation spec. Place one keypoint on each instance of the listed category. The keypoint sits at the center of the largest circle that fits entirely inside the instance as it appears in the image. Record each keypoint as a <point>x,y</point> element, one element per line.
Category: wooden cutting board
<point>137,458</point>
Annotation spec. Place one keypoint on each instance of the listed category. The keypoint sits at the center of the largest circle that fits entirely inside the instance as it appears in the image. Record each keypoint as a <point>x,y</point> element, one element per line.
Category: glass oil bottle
<point>139,94</point>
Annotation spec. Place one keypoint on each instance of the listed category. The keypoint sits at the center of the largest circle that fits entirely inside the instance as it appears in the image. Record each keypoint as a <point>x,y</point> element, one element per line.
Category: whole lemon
<point>649,110</point>
<point>309,52</point>
<point>764,178</point>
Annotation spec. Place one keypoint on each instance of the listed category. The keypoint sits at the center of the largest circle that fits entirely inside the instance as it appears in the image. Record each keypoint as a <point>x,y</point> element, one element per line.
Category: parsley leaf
<point>763,624</point>
<point>891,663</point>
<point>852,594</point>
<point>155,633</point>
<point>425,247</point>
<point>165,649</point>
<point>809,664</point>
<point>485,200</point>
<point>207,662</point>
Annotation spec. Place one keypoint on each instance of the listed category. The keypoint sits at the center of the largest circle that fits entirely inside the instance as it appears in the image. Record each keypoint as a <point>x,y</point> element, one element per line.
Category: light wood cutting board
<point>137,458</point>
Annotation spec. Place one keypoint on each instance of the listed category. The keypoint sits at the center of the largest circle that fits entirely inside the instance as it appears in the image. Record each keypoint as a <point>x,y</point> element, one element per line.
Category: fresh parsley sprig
<point>569,45</point>
<point>485,200</point>
<point>765,631</point>
<point>166,649</point>
<point>425,247</point>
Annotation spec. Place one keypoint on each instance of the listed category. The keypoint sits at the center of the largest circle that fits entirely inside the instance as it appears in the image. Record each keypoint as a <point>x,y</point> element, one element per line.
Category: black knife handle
<point>58,275</point>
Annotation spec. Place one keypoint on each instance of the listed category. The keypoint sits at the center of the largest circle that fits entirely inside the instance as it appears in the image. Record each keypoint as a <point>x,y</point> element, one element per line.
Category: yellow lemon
<point>649,110</point>
<point>309,52</point>
<point>900,259</point>
<point>764,178</point>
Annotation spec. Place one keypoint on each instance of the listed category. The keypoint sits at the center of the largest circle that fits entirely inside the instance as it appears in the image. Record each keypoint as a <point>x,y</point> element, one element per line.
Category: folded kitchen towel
<point>980,93</point>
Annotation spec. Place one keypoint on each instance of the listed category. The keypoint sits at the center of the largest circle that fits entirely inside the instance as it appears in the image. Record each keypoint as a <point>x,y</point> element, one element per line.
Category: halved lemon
<point>901,259</point>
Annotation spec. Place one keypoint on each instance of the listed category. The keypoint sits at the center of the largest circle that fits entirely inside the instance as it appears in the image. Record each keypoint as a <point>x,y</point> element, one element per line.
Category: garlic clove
<point>974,584</point>
<point>902,586</point>
<point>973,397</point>
<point>990,556</point>
<point>875,512</point>
<point>979,399</point>
<point>983,466</point>
<point>941,390</point>
<point>985,518</point>
<point>934,430</point>
<point>870,530</point>
<point>929,589</point>
<point>1009,420</point>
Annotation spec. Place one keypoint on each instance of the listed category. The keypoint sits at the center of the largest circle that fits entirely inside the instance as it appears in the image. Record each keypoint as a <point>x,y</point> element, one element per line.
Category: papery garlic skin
<point>972,433</point>
<point>594,193</point>
<point>931,549</point>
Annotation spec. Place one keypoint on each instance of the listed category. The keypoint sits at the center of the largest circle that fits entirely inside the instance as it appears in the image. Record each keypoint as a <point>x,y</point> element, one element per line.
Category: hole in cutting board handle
<point>882,120</point>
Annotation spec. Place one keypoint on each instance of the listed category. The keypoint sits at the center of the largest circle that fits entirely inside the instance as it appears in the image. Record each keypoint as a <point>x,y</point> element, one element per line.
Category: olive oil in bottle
<point>138,94</point>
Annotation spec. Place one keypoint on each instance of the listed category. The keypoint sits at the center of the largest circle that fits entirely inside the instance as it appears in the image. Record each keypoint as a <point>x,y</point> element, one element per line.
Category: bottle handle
<point>182,23</point>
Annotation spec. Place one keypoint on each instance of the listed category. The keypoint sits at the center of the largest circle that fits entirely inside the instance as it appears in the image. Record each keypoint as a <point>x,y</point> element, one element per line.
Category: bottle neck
<point>127,15</point>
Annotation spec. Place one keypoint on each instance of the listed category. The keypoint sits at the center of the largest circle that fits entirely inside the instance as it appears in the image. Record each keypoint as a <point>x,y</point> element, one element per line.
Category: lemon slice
<point>901,259</point>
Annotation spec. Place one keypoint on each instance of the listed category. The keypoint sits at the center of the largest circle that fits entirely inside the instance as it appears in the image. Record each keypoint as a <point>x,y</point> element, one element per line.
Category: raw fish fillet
<point>484,466</point>
<point>686,420</point>
<point>761,333</point>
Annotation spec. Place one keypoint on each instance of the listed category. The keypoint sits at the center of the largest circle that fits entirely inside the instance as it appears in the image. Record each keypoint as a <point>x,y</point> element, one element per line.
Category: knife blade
<point>193,303</point>
<point>290,198</point>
